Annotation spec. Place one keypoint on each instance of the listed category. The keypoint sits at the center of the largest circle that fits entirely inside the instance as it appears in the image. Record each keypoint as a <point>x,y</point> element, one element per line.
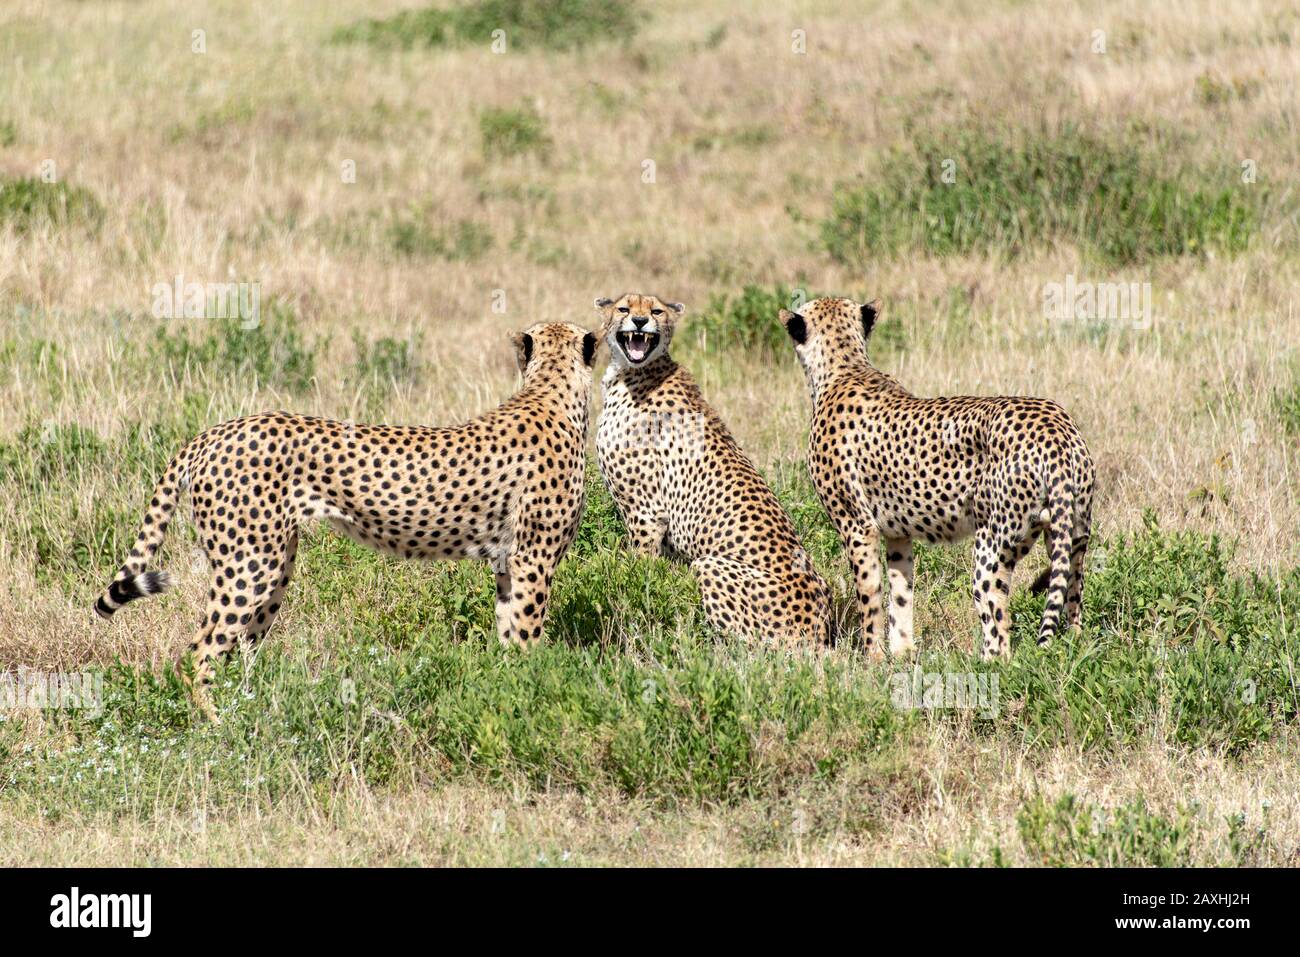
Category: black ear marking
<point>870,313</point>
<point>797,328</point>
<point>528,348</point>
<point>589,342</point>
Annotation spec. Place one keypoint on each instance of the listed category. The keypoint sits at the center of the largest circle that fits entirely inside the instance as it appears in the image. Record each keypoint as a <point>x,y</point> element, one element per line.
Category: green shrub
<point>549,24</point>
<point>1016,190</point>
<point>274,352</point>
<point>387,361</point>
<point>631,690</point>
<point>507,132</point>
<point>748,321</point>
<point>29,203</point>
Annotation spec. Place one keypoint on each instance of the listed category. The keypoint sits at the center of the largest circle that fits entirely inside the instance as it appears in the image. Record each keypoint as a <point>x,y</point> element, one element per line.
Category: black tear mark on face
<point>528,349</point>
<point>589,348</point>
<point>797,328</point>
<point>869,316</point>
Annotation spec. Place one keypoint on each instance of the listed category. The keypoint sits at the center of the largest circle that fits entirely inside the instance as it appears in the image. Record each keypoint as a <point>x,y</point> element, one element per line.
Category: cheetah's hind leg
<point>243,587</point>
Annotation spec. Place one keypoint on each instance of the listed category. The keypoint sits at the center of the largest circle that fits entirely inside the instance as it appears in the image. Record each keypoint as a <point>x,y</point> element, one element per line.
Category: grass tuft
<point>274,352</point>
<point>1014,191</point>
<point>548,24</point>
<point>29,203</point>
<point>513,132</point>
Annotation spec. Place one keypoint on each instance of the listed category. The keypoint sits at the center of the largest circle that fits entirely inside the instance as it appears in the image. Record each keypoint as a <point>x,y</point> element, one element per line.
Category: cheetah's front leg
<point>523,591</point>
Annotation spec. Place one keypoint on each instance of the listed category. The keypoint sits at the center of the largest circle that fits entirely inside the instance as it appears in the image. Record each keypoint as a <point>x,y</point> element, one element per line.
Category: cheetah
<point>507,487</point>
<point>686,490</point>
<point>890,464</point>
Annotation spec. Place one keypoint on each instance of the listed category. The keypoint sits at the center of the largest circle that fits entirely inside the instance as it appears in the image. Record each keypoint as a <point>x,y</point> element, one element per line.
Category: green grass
<point>28,203</point>
<point>513,132</point>
<point>1015,190</point>
<point>72,538</point>
<point>1286,402</point>
<point>633,692</point>
<point>751,321</point>
<point>413,235</point>
<point>1072,833</point>
<point>548,24</point>
<point>387,361</point>
<point>273,353</point>
<point>747,321</point>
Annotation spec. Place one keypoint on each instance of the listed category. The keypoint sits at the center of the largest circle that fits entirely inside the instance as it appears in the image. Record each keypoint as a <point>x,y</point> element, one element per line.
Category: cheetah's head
<point>830,332</point>
<point>555,347</point>
<point>637,328</point>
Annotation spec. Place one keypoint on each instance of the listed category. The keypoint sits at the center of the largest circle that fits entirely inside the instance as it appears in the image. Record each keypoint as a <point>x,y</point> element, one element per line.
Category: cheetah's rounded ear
<point>870,313</point>
<point>589,343</point>
<point>523,344</point>
<point>676,307</point>
<point>795,325</point>
<point>603,303</point>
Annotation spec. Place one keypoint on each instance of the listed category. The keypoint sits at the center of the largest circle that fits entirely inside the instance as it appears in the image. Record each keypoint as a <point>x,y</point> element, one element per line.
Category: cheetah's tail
<point>1059,539</point>
<point>1040,583</point>
<point>132,581</point>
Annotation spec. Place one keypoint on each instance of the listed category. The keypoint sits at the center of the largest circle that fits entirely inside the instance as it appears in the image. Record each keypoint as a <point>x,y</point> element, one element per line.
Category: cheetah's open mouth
<point>637,345</point>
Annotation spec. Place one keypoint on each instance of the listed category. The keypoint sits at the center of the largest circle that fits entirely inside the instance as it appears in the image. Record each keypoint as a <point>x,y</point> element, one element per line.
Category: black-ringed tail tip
<point>129,589</point>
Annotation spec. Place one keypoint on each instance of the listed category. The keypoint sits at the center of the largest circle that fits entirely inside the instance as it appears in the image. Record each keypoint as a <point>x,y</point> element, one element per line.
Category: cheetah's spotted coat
<point>506,487</point>
<point>890,464</point>
<point>685,488</point>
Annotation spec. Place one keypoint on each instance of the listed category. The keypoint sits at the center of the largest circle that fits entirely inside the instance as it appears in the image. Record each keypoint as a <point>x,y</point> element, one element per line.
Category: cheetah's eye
<point>656,312</point>
<point>624,309</point>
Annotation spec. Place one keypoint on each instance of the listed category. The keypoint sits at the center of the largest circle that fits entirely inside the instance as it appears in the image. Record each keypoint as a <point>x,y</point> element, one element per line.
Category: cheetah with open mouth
<point>686,489</point>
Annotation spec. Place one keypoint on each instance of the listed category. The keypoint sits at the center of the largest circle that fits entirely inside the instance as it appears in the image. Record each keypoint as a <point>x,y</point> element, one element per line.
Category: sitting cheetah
<point>506,487</point>
<point>684,487</point>
<point>886,462</point>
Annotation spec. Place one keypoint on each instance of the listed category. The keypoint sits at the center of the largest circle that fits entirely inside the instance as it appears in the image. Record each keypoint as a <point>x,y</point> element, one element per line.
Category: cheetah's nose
<point>639,321</point>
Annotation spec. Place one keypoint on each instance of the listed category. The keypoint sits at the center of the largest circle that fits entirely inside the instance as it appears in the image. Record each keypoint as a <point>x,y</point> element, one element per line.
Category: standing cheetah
<point>684,486</point>
<point>506,487</point>
<point>887,463</point>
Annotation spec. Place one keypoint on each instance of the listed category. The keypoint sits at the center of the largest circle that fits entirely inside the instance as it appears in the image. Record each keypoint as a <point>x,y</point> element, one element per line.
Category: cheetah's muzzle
<point>637,345</point>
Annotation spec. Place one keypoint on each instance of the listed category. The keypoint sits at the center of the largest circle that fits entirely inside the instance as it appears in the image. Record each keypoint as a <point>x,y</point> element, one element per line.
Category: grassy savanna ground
<point>382,724</point>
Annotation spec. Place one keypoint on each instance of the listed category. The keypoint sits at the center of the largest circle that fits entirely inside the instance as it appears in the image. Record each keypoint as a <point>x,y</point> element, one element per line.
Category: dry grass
<point>961,807</point>
<point>227,165</point>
